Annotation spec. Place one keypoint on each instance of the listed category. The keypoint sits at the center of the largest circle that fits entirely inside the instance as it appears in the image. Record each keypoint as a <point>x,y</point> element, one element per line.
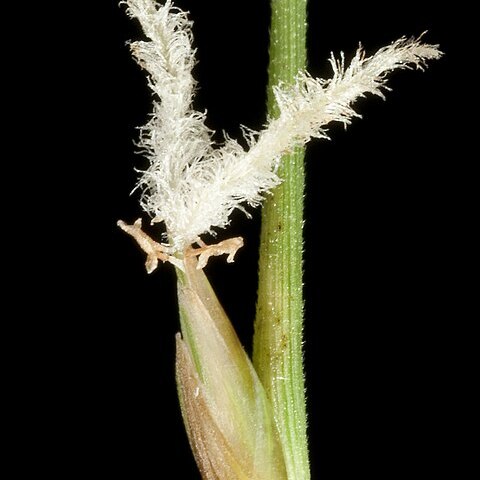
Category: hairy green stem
<point>278,355</point>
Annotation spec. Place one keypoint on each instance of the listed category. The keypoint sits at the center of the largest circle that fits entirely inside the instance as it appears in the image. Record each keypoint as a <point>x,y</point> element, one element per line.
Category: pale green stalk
<point>278,356</point>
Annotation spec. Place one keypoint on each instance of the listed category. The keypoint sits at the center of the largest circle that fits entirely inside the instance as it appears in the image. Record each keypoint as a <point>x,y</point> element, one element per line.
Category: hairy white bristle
<point>193,185</point>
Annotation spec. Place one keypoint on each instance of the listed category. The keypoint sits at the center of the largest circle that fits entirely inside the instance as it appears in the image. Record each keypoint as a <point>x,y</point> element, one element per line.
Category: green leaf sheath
<point>278,355</point>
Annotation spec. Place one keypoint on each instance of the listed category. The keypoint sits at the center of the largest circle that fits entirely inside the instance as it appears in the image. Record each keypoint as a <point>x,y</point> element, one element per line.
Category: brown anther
<point>154,250</point>
<point>204,252</point>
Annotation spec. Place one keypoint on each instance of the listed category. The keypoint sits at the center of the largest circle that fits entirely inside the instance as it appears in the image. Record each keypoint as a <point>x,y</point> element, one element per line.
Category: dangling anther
<point>226,247</point>
<point>154,250</point>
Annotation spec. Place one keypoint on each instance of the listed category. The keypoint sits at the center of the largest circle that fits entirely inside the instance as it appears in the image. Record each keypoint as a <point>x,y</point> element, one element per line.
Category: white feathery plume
<point>193,185</point>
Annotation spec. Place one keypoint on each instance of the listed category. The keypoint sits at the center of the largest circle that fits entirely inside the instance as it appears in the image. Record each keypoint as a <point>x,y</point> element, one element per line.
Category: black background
<point>383,248</point>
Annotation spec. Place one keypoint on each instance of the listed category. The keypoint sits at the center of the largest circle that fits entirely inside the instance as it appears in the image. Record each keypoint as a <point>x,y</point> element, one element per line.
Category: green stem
<point>278,355</point>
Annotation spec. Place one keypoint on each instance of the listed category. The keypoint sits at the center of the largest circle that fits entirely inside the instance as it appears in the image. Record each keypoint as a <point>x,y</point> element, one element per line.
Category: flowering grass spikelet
<point>192,185</point>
